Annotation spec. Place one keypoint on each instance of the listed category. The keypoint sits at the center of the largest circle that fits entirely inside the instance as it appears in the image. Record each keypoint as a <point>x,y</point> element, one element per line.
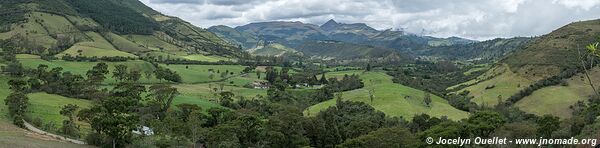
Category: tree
<point>17,103</point>
<point>97,74</point>
<point>323,79</point>
<point>384,137</point>
<point>427,99</point>
<point>69,127</point>
<point>258,73</point>
<point>162,96</point>
<point>134,75</point>
<point>546,125</point>
<point>194,124</point>
<point>368,67</point>
<point>483,123</point>
<point>114,117</point>
<point>120,72</point>
<point>226,98</point>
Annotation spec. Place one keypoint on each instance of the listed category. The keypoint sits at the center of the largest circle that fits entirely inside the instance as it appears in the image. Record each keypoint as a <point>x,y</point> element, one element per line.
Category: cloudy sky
<point>474,19</point>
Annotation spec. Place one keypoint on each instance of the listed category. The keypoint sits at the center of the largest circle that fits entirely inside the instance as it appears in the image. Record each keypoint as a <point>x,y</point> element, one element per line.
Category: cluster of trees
<point>434,77</point>
<point>68,57</point>
<point>17,101</point>
<point>462,101</point>
<point>163,73</point>
<point>348,82</point>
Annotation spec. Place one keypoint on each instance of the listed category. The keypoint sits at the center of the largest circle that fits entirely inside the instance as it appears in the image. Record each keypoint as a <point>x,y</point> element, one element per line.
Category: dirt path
<point>41,132</point>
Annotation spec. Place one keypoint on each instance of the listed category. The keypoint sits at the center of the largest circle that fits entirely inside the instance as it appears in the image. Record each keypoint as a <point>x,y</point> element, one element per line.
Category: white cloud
<point>475,19</point>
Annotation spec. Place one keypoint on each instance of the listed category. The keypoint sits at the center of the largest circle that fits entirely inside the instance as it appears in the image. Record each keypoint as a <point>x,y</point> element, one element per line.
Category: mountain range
<point>299,36</point>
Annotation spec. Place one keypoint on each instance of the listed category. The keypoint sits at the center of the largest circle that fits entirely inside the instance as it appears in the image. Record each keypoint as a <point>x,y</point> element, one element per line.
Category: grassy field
<point>48,106</point>
<point>82,67</point>
<point>125,45</point>
<point>155,43</point>
<point>212,58</point>
<point>556,100</point>
<point>15,137</point>
<point>201,73</point>
<point>98,46</point>
<point>193,92</point>
<point>391,98</point>
<point>503,84</point>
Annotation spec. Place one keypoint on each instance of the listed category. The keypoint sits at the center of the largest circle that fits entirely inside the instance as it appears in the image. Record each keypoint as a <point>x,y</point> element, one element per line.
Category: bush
<point>37,122</point>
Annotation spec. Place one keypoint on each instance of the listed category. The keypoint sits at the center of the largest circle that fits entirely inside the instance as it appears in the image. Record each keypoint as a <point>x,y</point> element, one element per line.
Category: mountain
<point>288,33</point>
<point>344,50</point>
<point>358,32</point>
<point>489,50</point>
<point>90,27</point>
<point>295,34</point>
<point>235,37</point>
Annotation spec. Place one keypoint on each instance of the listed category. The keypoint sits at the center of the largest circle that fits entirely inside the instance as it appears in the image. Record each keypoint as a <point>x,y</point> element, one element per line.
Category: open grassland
<point>154,43</point>
<point>201,73</point>
<point>125,45</point>
<point>502,84</point>
<point>31,30</point>
<point>212,58</point>
<point>97,46</point>
<point>391,98</point>
<point>188,73</point>
<point>48,106</point>
<point>555,100</point>
<point>15,137</point>
<point>206,92</point>
<point>82,67</point>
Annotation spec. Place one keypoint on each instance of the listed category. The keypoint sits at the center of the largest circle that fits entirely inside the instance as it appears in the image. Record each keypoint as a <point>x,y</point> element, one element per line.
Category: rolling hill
<point>102,28</point>
<point>538,59</point>
<point>391,98</point>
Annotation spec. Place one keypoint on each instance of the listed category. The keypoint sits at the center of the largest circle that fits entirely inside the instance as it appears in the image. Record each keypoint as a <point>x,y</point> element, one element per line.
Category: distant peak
<point>329,25</point>
<point>331,21</point>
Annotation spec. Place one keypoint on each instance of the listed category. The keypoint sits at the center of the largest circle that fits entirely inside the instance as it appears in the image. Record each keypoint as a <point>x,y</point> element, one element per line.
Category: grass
<point>212,58</point>
<point>191,74</point>
<point>555,100</point>
<point>200,73</point>
<point>154,43</point>
<point>98,46</point>
<point>204,90</point>
<point>82,67</point>
<point>505,83</point>
<point>48,106</point>
<point>125,45</point>
<point>15,137</point>
<point>391,98</point>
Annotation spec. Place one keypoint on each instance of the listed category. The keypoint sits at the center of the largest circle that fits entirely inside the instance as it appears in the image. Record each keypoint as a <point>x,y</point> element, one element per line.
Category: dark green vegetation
<point>116,73</point>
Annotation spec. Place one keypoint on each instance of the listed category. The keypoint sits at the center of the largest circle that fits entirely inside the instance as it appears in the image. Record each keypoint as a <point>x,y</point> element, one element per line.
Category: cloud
<point>475,19</point>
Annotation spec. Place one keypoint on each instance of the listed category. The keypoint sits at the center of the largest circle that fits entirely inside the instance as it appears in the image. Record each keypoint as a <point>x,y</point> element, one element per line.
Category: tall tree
<point>69,127</point>
<point>120,72</point>
<point>162,96</point>
<point>97,74</point>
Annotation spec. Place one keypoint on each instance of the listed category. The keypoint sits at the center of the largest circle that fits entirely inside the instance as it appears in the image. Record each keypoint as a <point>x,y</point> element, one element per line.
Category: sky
<point>473,19</point>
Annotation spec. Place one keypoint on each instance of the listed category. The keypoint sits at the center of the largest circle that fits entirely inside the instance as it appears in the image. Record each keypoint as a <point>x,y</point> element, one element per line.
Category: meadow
<point>391,98</point>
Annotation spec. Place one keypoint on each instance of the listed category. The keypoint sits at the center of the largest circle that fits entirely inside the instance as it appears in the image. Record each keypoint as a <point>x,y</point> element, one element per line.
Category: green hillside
<point>549,54</point>
<point>272,49</point>
<point>103,28</point>
<point>391,98</point>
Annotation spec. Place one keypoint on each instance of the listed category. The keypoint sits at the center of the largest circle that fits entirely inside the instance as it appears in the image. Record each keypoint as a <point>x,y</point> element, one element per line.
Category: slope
<point>391,98</point>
